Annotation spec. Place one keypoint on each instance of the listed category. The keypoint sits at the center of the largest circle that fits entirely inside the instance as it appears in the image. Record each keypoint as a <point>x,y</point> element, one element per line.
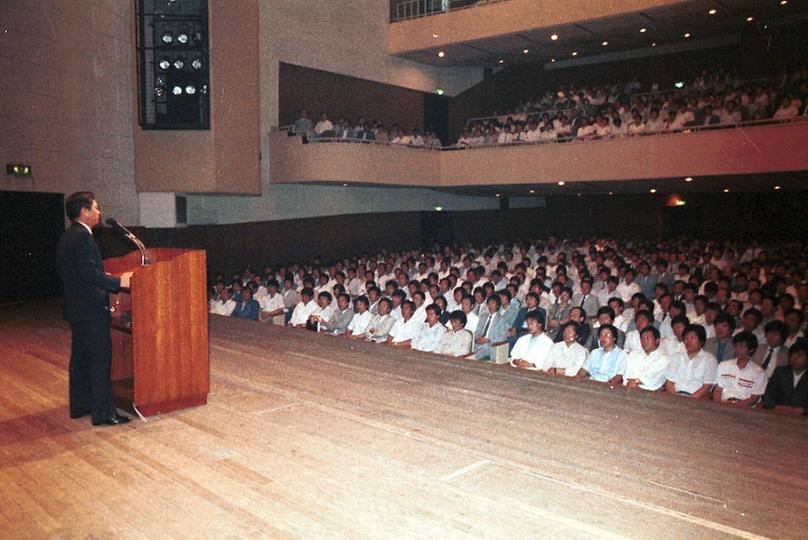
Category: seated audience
<point>224,305</point>
<point>247,307</point>
<point>341,317</point>
<point>787,391</point>
<point>457,341</point>
<point>491,329</point>
<point>772,353</point>
<point>304,309</point>
<point>405,328</point>
<point>430,332</point>
<point>361,318</point>
<point>607,363</point>
<point>567,356</point>
<point>378,329</point>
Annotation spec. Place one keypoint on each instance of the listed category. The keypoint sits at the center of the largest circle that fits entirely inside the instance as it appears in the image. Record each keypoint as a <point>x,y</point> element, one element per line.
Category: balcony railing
<point>560,140</point>
<point>415,9</point>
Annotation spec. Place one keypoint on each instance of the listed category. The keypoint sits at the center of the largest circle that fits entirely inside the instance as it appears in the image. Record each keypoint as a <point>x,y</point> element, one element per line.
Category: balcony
<point>750,149</point>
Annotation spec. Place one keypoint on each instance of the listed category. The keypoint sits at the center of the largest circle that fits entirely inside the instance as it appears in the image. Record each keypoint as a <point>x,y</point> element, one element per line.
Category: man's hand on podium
<point>125,278</point>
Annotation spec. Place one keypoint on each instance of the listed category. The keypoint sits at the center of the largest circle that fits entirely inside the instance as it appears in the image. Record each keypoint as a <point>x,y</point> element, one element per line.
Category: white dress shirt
<point>428,337</point>
<point>302,312</point>
<point>741,384</point>
<point>650,369</point>
<point>359,323</point>
<point>570,358</point>
<point>533,349</point>
<point>690,374</point>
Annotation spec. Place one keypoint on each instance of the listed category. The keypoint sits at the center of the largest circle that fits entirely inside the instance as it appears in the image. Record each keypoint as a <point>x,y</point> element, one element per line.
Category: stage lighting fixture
<point>679,84</point>
<point>18,169</point>
<point>182,38</point>
<point>160,81</point>
<point>179,63</point>
<point>164,64</point>
<point>439,91</point>
<point>204,89</point>
<point>190,90</point>
<point>167,38</point>
<point>196,64</point>
<point>176,90</point>
<point>159,92</point>
<point>197,37</point>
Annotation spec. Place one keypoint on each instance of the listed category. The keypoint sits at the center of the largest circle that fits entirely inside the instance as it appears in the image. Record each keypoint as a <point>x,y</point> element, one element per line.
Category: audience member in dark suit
<point>86,308</point>
<point>772,353</point>
<point>584,331</point>
<point>247,307</point>
<point>519,327</point>
<point>787,391</point>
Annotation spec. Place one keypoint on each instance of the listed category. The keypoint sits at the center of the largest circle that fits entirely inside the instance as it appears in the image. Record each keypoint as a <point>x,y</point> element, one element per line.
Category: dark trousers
<point>90,356</point>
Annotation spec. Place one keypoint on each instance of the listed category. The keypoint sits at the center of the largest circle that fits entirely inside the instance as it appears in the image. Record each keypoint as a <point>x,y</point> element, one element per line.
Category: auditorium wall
<point>348,38</point>
<point>67,103</point>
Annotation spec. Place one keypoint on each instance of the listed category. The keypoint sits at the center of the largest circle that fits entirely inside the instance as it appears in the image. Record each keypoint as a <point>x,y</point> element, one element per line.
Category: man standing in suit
<point>86,308</point>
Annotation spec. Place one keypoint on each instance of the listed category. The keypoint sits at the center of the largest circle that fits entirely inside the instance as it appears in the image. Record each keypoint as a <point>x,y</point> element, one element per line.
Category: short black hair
<point>652,329</point>
<point>748,338</point>
<point>76,201</point>
<point>458,315</point>
<point>699,330</point>
<point>724,318</point>
<point>536,317</point>
<point>611,328</point>
<point>777,326</point>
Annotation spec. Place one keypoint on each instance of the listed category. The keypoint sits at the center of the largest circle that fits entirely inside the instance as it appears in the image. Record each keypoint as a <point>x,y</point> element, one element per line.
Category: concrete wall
<point>66,101</point>
<point>342,37</point>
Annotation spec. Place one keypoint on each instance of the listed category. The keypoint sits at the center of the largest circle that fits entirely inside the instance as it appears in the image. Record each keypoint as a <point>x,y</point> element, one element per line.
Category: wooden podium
<point>159,331</point>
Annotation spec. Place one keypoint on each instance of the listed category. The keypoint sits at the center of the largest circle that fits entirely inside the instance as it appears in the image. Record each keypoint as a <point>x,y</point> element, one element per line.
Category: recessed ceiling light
<point>726,190</point>
<point>561,183</point>
<point>750,19</point>
<point>689,179</point>
<point>776,188</point>
<point>525,51</point>
<point>534,191</point>
<point>687,34</point>
<point>605,43</point>
<point>552,60</point>
<point>574,53</point>
<point>611,193</point>
<point>652,190</point>
<point>344,185</point>
<point>438,208</point>
<point>653,44</point>
<point>434,35</point>
<point>643,30</point>
<point>713,11</point>
<point>501,61</point>
<point>783,2</point>
<point>497,194</point>
<point>554,37</point>
<point>441,54</point>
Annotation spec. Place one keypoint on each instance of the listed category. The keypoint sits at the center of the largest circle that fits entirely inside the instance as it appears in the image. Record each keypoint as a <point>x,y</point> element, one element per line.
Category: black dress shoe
<point>114,420</point>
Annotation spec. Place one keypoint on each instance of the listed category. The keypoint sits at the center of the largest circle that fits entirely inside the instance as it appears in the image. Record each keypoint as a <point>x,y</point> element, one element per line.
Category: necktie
<point>664,315</point>
<point>487,325</point>
<point>583,299</point>
<point>768,358</point>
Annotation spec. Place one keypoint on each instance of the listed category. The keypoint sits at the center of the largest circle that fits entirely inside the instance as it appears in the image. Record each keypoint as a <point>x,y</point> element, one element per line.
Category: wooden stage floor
<point>312,436</point>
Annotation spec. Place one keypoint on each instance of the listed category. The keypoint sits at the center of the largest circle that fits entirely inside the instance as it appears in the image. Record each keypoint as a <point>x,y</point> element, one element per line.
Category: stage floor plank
<point>314,436</point>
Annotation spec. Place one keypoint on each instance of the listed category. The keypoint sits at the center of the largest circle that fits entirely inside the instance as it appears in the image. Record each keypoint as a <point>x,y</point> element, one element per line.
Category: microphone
<point>144,259</point>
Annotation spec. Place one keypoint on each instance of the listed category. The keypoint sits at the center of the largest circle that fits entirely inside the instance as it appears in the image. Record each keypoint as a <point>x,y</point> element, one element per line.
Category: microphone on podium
<point>144,258</point>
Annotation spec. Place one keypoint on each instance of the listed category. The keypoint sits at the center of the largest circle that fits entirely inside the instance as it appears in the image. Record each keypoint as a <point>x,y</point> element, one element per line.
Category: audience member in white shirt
<point>647,367</point>
<point>378,329</point>
<point>224,305</point>
<point>457,341</point>
<point>532,351</point>
<point>430,332</point>
<point>324,126</point>
<point>740,382</point>
<point>694,372</point>
<point>303,309</point>
<point>405,328</point>
<point>361,318</point>
<point>567,356</point>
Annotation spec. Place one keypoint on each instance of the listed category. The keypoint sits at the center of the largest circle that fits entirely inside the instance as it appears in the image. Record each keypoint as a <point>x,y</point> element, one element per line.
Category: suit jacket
<point>497,332</point>
<point>711,346</point>
<point>521,315</point>
<point>780,359</point>
<point>247,310</point>
<point>591,304</point>
<point>781,389</point>
<point>86,285</point>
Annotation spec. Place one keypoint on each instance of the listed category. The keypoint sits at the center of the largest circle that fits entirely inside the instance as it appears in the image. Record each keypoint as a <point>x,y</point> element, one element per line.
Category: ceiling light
<point>344,185</point>
<point>679,84</point>
<point>164,64</point>
<point>534,191</point>
<point>441,54</point>
<point>653,44</point>
<point>776,188</point>
<point>605,43</point>
<point>574,53</point>
<point>197,63</point>
<point>643,30</point>
<point>497,194</point>
<point>783,2</point>
<point>190,90</point>
<point>182,38</point>
<point>554,37</point>
<point>438,208</point>
<point>561,183</point>
<point>178,63</point>
<point>168,38</point>
<point>434,35</point>
<point>687,35</point>
<point>713,11</point>
<point>689,179</point>
<point>726,190</point>
<point>611,193</point>
<point>501,61</point>
<point>439,91</point>
<point>653,190</point>
<point>750,19</point>
<point>177,90</point>
<point>552,60</point>
<point>525,51</point>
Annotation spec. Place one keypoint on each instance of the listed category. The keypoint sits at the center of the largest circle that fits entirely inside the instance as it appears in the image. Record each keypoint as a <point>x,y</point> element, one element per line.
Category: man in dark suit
<point>782,394</point>
<point>519,327</point>
<point>86,308</point>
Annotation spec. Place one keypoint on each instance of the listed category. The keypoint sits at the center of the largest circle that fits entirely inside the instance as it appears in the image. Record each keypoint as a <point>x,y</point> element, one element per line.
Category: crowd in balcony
<point>703,320</point>
<point>713,99</point>
<point>363,130</point>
